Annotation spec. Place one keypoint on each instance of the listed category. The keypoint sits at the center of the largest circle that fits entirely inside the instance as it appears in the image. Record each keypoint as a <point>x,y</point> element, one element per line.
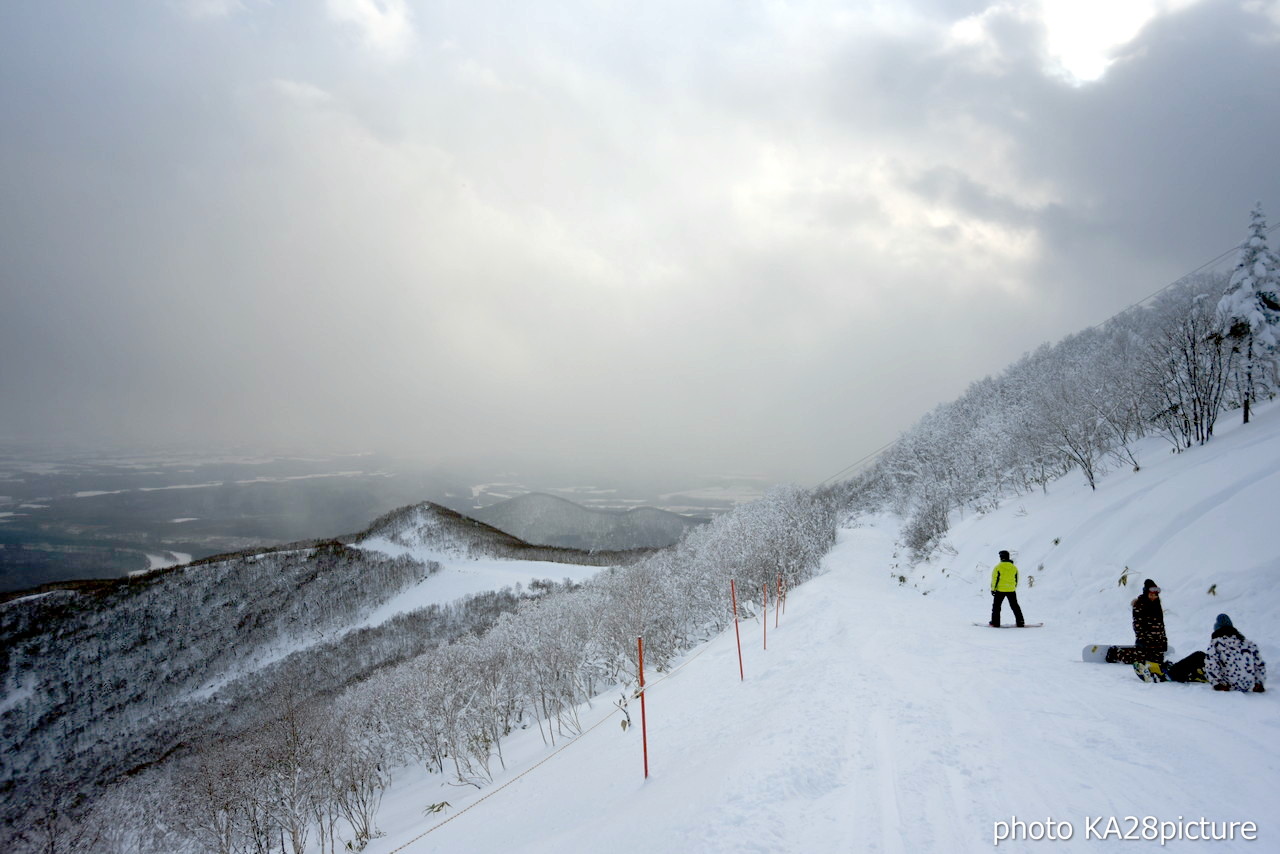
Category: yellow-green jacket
<point>1004,578</point>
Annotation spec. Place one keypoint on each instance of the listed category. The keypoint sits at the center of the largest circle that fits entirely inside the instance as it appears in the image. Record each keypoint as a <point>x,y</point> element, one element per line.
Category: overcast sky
<point>714,236</point>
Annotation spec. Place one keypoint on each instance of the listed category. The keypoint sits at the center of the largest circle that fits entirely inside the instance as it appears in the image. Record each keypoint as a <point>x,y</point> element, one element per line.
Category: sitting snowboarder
<point>1232,662</point>
<point>1151,642</point>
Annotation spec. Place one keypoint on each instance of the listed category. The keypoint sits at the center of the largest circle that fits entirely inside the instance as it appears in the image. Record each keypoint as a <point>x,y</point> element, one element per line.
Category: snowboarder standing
<point>1004,585</point>
<point>1232,662</point>
<point>1150,641</point>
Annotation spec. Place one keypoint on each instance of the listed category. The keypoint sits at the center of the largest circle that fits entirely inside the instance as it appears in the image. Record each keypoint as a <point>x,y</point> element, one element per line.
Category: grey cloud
<point>706,238</point>
<point>952,187</point>
<point>1166,154</point>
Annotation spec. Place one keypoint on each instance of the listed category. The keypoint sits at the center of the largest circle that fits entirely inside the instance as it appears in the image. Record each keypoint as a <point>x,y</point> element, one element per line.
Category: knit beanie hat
<point>1148,585</point>
<point>1223,622</point>
<point>1004,555</point>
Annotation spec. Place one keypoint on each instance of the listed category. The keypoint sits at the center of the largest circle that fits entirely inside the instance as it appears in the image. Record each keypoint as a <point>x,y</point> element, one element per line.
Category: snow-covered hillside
<point>880,719</point>
<point>99,679</point>
<point>468,566</point>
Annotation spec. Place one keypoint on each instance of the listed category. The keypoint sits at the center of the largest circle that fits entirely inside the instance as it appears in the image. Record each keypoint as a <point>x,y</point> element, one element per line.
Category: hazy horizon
<point>726,238</point>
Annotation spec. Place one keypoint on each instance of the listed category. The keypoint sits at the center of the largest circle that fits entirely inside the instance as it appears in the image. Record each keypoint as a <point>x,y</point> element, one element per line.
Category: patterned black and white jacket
<point>1234,661</point>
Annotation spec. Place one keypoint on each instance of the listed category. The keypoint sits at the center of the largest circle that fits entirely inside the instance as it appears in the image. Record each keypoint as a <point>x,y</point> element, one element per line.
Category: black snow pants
<point>1189,669</point>
<point>997,600</point>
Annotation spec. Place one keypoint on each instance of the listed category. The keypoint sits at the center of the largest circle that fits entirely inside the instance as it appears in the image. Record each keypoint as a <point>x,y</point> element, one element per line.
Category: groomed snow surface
<point>880,719</point>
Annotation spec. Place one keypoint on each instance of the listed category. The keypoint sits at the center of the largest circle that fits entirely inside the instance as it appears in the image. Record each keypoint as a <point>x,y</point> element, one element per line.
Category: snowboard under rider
<point>1004,585</point>
<point>1150,641</point>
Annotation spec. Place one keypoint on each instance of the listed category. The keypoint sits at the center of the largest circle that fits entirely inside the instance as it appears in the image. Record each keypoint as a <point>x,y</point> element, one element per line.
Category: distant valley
<point>546,520</point>
<point>80,516</point>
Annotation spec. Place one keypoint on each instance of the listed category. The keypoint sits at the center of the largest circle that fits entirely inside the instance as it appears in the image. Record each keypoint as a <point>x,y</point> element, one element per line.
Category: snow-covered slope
<point>880,719</point>
<point>468,556</point>
<point>547,520</point>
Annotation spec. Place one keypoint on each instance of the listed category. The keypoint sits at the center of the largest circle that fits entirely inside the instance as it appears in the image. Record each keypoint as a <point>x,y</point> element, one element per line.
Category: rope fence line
<point>703,648</point>
<point>528,770</point>
<point>673,671</point>
<point>617,709</point>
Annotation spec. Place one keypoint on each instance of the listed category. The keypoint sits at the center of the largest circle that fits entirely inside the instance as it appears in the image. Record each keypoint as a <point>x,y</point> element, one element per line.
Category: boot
<point>1149,671</point>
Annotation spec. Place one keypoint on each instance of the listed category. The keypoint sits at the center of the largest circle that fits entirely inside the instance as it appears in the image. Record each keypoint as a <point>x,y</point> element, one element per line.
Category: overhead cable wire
<point>857,463</point>
<point>1181,278</point>
<point>1153,294</point>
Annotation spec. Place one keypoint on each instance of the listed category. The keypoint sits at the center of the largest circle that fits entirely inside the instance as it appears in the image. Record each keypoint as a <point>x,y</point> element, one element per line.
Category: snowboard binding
<point>1150,671</point>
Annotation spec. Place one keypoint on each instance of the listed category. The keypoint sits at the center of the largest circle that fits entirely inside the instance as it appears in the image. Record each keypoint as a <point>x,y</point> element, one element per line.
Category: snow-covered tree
<point>1071,404</point>
<point>1128,401</point>
<point>1250,312</point>
<point>1187,366</point>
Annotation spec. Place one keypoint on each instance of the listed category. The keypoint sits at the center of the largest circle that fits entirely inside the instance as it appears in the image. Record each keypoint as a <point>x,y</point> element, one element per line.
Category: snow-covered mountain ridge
<point>101,677</point>
<point>447,531</point>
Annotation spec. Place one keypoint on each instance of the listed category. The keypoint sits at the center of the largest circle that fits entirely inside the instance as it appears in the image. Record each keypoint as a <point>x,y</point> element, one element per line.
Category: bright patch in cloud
<point>1082,38</point>
<point>386,25</point>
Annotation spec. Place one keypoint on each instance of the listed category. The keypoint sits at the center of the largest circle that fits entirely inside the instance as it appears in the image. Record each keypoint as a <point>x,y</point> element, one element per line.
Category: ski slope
<point>460,577</point>
<point>879,719</point>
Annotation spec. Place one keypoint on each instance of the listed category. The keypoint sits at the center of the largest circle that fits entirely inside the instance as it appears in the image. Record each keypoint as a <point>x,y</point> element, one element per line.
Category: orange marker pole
<point>777,603</point>
<point>765,621</point>
<point>733,596</point>
<point>644,723</point>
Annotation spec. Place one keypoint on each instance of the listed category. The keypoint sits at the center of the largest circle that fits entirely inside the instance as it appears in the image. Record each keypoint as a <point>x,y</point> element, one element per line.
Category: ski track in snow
<point>913,731</point>
<point>1181,521</point>
<point>881,720</point>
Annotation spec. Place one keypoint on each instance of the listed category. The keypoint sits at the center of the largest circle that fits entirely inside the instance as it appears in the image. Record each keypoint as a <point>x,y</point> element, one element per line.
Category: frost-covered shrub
<point>926,527</point>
